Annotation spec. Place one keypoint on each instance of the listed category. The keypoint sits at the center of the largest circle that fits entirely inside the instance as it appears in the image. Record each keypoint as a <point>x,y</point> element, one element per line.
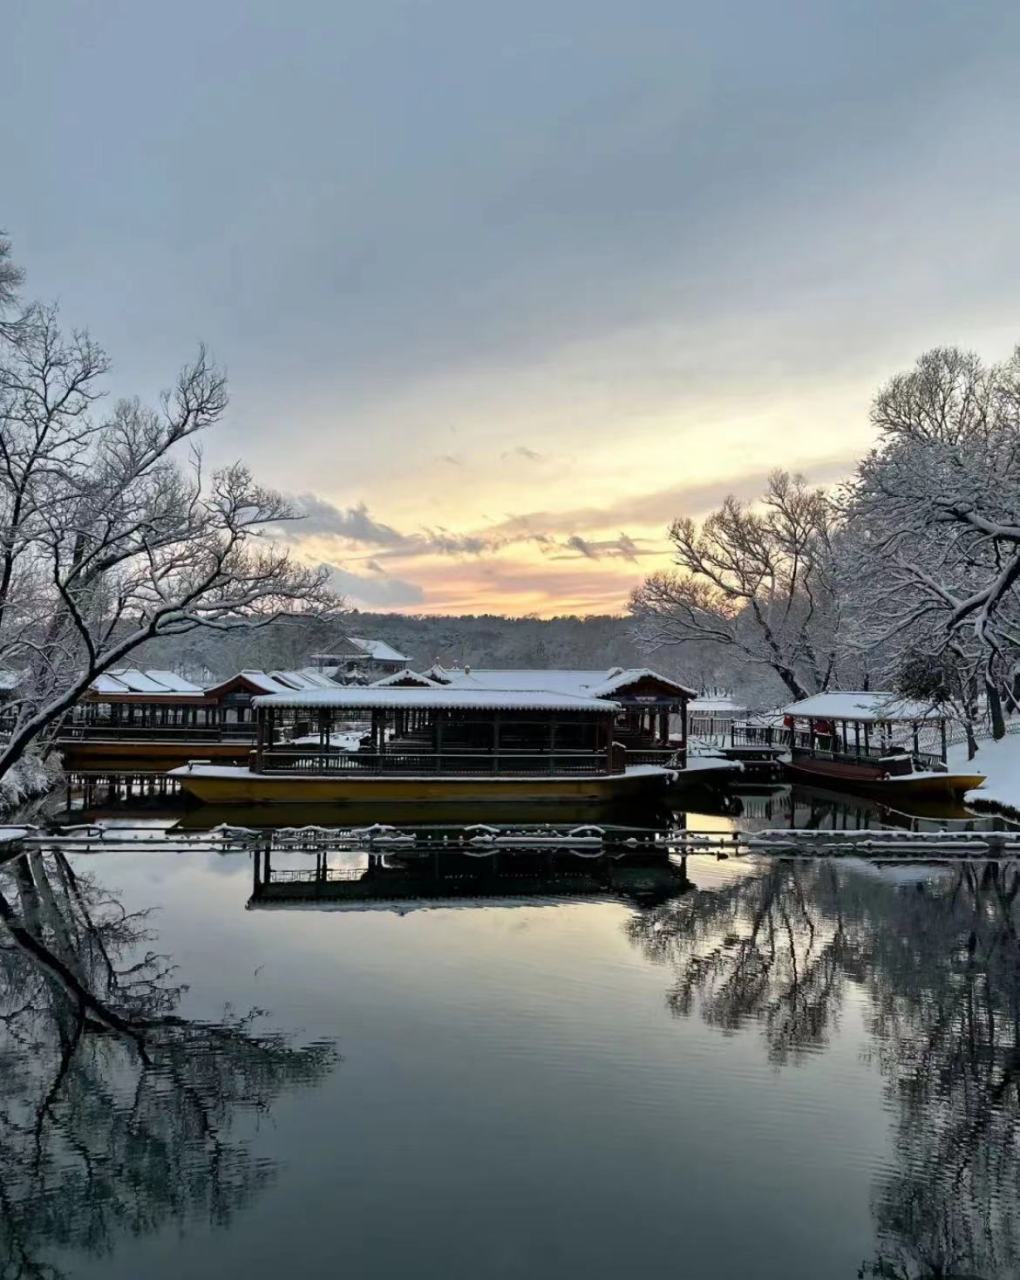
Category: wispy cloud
<point>623,547</point>
<point>522,451</point>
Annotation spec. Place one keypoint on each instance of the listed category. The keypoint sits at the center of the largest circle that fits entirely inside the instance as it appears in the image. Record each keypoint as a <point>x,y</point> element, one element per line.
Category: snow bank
<point>999,762</point>
<point>27,778</point>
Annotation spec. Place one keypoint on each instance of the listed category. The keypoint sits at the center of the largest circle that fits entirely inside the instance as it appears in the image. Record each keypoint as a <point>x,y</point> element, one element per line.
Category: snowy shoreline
<point>999,761</point>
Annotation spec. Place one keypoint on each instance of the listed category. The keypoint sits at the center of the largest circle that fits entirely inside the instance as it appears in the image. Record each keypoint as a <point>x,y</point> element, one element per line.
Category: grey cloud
<point>376,589</point>
<point>355,523</point>
<point>704,165</point>
<point>579,544</point>
<point>623,547</point>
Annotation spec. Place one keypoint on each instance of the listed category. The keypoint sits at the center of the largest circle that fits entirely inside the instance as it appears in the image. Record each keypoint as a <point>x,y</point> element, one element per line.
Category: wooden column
<point>942,738</point>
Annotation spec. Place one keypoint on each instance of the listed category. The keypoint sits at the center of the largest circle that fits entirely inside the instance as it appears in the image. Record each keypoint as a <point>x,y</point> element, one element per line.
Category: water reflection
<point>418,879</point>
<point>938,955</point>
<point>119,1115</point>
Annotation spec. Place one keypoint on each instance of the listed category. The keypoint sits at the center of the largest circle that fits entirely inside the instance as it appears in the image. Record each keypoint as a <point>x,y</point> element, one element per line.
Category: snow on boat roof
<point>270,681</point>
<point>373,698</point>
<point>716,704</point>
<point>174,682</point>
<point>591,684</point>
<point>865,706</point>
<point>132,680</point>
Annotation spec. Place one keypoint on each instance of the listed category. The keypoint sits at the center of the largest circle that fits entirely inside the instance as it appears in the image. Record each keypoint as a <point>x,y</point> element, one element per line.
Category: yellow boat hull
<point>225,786</point>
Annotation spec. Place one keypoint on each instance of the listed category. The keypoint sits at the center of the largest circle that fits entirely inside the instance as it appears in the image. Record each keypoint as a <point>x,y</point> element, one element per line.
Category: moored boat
<point>435,743</point>
<point>871,741</point>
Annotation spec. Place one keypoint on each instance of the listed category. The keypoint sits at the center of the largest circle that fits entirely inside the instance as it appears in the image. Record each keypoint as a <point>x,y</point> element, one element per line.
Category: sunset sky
<point>503,288</point>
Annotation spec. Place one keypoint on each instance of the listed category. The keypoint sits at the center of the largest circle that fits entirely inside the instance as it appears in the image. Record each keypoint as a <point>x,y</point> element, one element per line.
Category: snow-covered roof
<point>406,674</point>
<point>591,684</point>
<point>621,677</point>
<point>276,681</point>
<point>108,684</point>
<point>306,678</point>
<point>871,706</point>
<point>379,650</point>
<point>132,680</point>
<point>320,677</point>
<point>436,699</point>
<point>172,681</point>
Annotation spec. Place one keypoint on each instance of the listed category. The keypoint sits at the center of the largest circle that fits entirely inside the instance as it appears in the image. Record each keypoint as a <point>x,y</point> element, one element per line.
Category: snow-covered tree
<point>936,512</point>
<point>108,537</point>
<point>758,583</point>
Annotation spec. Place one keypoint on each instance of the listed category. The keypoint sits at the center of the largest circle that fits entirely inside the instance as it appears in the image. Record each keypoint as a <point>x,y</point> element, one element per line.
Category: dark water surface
<point>762,1070</point>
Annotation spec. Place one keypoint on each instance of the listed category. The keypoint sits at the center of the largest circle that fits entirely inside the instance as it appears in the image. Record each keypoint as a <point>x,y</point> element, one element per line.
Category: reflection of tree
<point>754,950</point>
<point>940,963</point>
<point>117,1115</point>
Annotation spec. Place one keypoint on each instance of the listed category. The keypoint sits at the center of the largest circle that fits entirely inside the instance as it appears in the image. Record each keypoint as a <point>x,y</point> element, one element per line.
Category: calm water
<point>736,1069</point>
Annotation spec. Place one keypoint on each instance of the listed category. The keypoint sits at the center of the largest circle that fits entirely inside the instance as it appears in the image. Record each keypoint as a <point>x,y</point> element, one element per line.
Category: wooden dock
<point>478,840</point>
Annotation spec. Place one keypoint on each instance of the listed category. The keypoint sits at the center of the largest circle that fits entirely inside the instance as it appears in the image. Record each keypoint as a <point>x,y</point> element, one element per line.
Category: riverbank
<point>1000,763</point>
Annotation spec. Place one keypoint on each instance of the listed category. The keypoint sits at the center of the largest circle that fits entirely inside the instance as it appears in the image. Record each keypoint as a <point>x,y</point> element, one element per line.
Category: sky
<point>502,289</point>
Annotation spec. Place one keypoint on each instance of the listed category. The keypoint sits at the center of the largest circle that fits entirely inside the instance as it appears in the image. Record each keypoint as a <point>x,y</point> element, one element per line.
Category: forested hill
<point>489,640</point>
<point>484,640</point>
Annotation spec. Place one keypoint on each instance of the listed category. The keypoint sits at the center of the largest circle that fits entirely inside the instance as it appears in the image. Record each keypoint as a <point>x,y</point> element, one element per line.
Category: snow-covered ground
<point>346,741</point>
<point>999,762</point>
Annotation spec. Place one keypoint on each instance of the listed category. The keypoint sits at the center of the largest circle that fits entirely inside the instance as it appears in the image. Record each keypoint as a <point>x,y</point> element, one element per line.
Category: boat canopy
<point>866,707</point>
<point>604,683</point>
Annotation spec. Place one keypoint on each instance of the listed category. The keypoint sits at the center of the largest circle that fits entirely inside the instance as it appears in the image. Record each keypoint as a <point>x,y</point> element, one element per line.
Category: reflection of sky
<point>514,1098</point>
<point>570,267</point>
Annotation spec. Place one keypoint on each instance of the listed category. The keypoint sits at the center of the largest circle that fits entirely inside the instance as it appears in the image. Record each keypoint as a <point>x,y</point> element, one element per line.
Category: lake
<point>730,1068</point>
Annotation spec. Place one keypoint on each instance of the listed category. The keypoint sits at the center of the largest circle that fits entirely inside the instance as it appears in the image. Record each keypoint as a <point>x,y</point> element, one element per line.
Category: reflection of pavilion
<point>413,878</point>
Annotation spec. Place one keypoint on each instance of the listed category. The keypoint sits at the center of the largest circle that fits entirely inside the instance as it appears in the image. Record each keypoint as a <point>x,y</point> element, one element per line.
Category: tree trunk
<point>995,711</point>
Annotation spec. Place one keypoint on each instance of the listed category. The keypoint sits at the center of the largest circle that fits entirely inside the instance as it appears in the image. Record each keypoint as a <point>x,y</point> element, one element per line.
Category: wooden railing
<point>755,735</point>
<point>667,757</point>
<point>158,733</point>
<point>823,746</point>
<point>510,763</point>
